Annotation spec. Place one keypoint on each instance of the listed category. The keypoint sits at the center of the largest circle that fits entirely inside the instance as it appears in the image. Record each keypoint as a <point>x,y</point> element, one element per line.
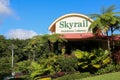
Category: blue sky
<point>35,16</point>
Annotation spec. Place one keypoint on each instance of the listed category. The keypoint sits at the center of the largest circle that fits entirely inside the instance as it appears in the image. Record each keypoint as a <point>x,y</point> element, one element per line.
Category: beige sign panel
<point>71,23</point>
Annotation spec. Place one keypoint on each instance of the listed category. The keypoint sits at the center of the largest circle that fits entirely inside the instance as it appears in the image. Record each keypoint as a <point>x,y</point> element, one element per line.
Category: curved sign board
<point>72,23</point>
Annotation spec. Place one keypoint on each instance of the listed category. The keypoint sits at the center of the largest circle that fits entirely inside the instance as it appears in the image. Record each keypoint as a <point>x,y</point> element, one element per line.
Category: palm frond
<point>94,15</point>
<point>103,10</point>
<point>117,13</point>
<point>110,9</point>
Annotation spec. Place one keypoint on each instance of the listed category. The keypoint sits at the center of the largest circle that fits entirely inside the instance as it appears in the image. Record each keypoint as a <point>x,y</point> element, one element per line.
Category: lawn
<point>110,76</point>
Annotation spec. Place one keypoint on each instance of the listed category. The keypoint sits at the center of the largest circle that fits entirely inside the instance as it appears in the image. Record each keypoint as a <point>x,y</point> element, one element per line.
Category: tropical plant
<point>93,60</point>
<point>107,20</point>
<point>19,51</point>
<point>35,47</point>
<point>22,66</point>
<point>68,64</point>
<point>5,65</point>
<point>44,44</point>
<point>55,42</point>
<point>51,61</point>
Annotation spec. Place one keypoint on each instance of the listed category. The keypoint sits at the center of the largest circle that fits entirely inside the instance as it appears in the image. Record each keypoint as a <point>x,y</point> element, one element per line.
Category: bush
<point>23,66</point>
<point>109,68</point>
<point>117,67</point>
<point>5,65</point>
<point>68,64</point>
<point>92,61</point>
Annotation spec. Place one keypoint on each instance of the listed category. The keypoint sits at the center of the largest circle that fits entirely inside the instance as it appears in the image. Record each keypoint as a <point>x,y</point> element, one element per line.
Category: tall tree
<point>108,20</point>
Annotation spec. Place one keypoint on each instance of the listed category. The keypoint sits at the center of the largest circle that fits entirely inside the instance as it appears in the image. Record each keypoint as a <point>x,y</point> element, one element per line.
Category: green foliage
<point>51,65</point>
<point>74,76</point>
<point>34,46</point>
<point>44,44</point>
<point>19,51</point>
<point>109,68</point>
<point>4,51</point>
<point>92,60</point>
<point>22,66</point>
<point>44,66</point>
<point>51,62</point>
<point>110,76</point>
<point>31,68</point>
<point>2,44</point>
<point>68,64</point>
<point>107,20</point>
<point>5,65</point>
<point>35,69</point>
<point>117,67</point>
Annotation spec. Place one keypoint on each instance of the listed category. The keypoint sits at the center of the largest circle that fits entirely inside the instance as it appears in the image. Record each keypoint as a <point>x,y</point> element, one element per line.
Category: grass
<point>86,76</point>
<point>110,76</point>
<point>73,76</point>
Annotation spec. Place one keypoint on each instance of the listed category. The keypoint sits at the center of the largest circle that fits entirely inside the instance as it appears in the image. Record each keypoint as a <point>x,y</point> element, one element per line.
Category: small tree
<point>43,44</point>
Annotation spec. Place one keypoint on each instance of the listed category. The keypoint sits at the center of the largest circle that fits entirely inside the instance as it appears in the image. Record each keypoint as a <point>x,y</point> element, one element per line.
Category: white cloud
<point>4,8</point>
<point>21,34</point>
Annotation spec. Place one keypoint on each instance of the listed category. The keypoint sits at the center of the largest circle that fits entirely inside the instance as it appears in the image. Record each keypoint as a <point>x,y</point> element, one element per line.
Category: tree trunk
<point>108,42</point>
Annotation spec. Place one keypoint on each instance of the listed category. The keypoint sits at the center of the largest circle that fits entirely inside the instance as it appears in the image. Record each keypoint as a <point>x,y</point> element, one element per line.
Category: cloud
<point>5,8</point>
<point>21,34</point>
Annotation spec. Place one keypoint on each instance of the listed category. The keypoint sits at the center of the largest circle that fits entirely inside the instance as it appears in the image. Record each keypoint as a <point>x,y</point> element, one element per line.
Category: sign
<point>72,25</point>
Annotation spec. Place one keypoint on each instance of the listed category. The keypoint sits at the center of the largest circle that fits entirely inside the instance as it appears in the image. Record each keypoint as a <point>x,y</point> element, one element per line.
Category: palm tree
<point>107,20</point>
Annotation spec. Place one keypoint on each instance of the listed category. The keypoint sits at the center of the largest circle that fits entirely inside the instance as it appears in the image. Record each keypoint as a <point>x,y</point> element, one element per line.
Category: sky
<point>26,18</point>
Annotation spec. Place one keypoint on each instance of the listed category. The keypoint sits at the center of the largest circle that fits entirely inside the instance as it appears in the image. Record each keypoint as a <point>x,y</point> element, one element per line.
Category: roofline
<point>67,15</point>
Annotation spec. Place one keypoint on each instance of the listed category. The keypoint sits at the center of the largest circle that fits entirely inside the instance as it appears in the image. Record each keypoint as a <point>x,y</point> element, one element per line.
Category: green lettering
<point>62,24</point>
<point>76,24</point>
<point>83,23</point>
<point>71,24</point>
<point>66,24</point>
<point>80,24</point>
<point>86,23</point>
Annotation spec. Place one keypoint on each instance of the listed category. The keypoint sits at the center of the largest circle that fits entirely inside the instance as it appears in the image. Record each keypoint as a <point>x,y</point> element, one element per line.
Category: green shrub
<point>117,67</point>
<point>68,64</point>
<point>109,68</point>
<point>5,65</point>
<point>22,66</point>
<point>51,61</point>
<point>91,61</point>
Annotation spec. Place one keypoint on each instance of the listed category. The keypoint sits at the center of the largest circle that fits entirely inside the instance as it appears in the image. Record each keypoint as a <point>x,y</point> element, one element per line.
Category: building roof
<point>117,37</point>
<point>77,36</point>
